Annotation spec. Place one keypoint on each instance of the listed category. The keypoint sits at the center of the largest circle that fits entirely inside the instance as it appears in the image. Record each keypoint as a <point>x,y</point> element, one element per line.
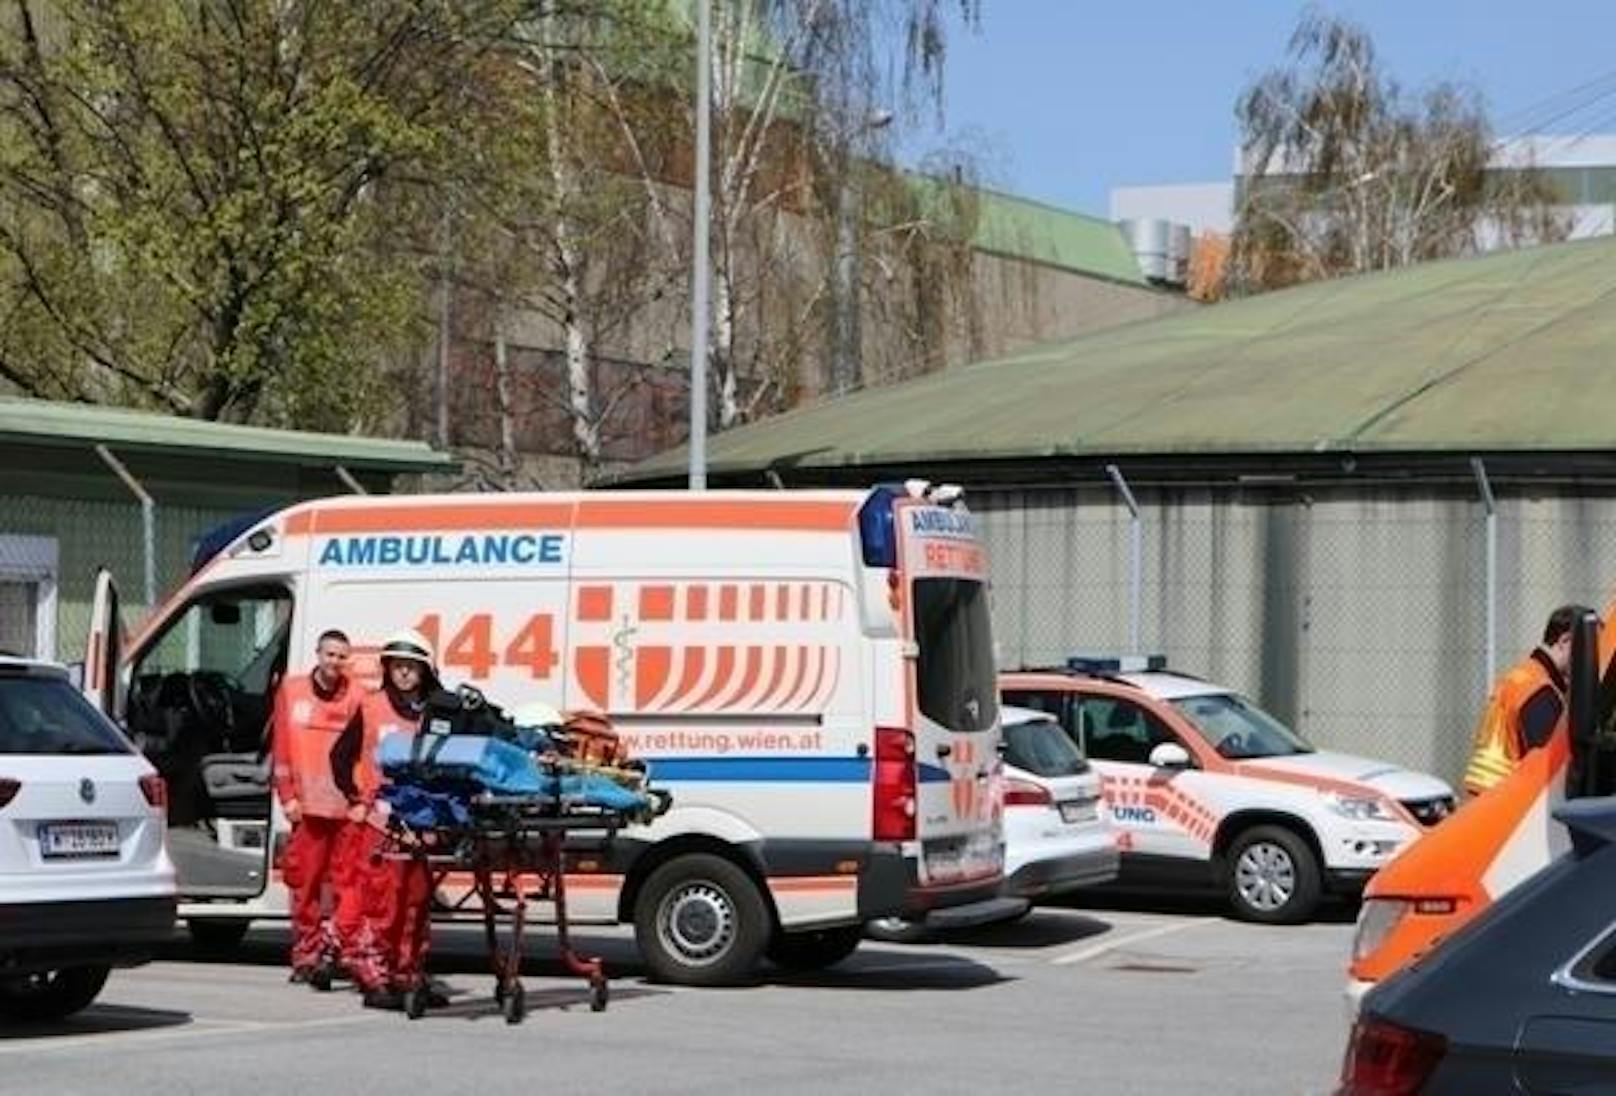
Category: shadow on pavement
<point>99,1020</point>
<point>476,1003</point>
<point>1041,928</point>
<point>875,968</point>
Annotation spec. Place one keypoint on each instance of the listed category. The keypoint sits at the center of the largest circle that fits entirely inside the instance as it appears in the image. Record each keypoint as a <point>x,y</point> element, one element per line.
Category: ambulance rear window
<point>955,675</point>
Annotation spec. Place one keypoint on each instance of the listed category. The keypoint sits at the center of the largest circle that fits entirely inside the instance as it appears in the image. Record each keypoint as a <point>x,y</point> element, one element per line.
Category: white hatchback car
<point>1056,837</point>
<point>86,883</point>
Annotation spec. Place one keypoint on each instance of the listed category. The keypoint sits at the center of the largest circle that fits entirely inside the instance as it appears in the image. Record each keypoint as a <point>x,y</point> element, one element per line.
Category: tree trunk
<point>509,460</point>
<point>580,389</point>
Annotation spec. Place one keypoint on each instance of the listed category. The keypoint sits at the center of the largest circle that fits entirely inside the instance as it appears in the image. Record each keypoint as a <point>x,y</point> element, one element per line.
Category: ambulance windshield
<point>1238,729</point>
<point>955,673</point>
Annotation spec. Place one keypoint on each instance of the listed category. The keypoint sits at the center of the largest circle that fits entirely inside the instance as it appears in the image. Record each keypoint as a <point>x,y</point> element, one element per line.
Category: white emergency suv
<point>1208,790</point>
<point>809,673</point>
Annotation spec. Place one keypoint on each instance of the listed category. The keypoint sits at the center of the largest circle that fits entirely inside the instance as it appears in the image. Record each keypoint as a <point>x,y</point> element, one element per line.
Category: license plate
<point>68,840</point>
<point>1079,810</point>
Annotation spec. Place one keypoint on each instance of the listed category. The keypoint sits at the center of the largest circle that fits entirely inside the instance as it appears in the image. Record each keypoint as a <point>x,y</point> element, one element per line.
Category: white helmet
<point>536,713</point>
<point>409,644</point>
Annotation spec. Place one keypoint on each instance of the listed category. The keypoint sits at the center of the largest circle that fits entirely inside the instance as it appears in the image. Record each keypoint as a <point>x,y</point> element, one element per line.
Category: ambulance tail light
<point>1024,793</point>
<point>8,790</point>
<point>896,790</point>
<point>1387,1059</point>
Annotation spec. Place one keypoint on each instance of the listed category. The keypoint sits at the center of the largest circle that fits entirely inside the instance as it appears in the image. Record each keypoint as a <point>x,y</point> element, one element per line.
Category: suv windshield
<point>1238,729</point>
<point>1040,747</point>
<point>955,671</point>
<point>41,715</point>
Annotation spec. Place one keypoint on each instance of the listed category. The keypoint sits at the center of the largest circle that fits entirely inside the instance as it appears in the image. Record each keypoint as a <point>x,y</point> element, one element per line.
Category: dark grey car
<point>1522,1000</point>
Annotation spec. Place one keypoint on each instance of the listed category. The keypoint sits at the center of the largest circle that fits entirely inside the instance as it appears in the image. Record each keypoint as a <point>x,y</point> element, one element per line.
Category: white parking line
<point>1094,950</point>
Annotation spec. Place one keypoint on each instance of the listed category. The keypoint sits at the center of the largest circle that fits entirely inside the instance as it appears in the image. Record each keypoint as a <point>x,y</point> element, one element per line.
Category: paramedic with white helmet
<point>392,898</point>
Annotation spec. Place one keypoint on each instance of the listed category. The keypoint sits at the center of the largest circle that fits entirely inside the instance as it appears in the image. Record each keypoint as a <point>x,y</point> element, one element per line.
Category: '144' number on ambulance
<point>472,646</point>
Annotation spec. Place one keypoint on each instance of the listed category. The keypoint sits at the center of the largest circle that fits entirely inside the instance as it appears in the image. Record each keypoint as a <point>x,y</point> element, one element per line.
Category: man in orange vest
<point>310,712</point>
<point>384,922</point>
<point>1525,707</point>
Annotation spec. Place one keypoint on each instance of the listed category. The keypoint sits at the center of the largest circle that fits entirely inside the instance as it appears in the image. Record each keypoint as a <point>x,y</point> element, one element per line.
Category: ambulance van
<point>810,674</point>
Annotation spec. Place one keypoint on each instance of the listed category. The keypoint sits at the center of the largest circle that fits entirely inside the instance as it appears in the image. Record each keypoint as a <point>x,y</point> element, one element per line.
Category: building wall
<point>1359,616</point>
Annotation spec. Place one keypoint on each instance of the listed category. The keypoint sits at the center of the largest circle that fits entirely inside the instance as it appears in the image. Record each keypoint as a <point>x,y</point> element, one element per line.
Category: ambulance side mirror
<point>1170,755</point>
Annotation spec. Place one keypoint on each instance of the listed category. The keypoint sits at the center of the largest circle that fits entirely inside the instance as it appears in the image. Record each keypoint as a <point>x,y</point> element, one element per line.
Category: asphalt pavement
<point>1126,999</point>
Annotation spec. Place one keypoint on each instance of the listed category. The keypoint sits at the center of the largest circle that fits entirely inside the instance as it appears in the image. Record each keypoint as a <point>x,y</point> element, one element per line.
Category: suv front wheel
<point>52,994</point>
<point>1272,876</point>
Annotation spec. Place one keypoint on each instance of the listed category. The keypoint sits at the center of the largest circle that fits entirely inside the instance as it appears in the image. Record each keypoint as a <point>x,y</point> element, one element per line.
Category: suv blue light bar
<point>1116,664</point>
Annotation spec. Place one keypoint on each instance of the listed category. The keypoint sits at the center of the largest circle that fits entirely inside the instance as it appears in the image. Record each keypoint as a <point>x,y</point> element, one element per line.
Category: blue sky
<point>1064,99</point>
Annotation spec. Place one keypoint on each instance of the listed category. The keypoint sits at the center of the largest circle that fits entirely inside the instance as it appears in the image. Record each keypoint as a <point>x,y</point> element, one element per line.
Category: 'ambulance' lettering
<point>468,550</point>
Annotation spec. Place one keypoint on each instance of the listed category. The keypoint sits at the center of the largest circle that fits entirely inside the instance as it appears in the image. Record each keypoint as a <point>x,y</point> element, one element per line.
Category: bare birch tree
<point>1343,172</point>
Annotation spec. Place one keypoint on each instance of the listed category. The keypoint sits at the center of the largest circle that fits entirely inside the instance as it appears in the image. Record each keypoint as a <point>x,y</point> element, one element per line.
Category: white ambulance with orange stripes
<point>811,674</point>
<point>1207,791</point>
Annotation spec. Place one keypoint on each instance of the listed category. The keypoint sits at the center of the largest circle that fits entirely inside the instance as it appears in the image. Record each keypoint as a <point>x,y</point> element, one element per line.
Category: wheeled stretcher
<point>501,809</point>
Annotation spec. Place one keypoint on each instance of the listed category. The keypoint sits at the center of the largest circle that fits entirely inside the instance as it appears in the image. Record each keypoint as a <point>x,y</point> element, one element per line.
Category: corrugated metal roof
<point>1510,351</point>
<point>1024,229</point>
<point>43,422</point>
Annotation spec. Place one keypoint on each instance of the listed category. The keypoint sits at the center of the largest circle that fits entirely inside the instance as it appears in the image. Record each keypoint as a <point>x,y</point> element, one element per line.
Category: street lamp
<point>846,352</point>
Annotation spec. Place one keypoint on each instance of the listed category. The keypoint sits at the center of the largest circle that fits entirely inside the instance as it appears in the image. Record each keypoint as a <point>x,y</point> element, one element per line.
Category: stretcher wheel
<point>415,1003</point>
<point>600,992</point>
<point>515,1004</point>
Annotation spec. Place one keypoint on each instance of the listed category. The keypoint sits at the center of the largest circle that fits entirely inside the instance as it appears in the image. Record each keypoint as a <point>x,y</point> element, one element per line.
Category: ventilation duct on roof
<point>1161,248</point>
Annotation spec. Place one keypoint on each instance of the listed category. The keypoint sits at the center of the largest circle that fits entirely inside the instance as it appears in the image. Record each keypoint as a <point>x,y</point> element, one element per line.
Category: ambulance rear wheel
<point>701,921</point>
<point>1272,876</point>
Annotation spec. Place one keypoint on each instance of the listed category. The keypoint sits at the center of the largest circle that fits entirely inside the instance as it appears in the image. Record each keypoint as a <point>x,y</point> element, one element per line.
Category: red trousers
<point>398,925</point>
<point>316,856</point>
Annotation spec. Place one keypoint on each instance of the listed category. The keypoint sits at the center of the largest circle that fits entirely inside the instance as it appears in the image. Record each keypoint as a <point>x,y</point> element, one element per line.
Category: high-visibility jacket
<point>353,755</point>
<point>305,724</point>
<point>1499,744</point>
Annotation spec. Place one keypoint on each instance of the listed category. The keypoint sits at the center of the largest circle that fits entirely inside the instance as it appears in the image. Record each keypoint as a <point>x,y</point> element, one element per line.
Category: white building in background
<point>1582,167</point>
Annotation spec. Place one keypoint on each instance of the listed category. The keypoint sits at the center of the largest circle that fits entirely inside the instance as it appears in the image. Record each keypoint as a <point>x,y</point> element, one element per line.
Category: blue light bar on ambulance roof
<point>1116,664</point>
<point>220,537</point>
<point>878,534</point>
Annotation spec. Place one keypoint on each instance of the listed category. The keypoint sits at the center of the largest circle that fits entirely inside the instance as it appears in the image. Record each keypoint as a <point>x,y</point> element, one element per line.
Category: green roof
<point>1023,229</point>
<point>1510,351</point>
<point>43,422</point>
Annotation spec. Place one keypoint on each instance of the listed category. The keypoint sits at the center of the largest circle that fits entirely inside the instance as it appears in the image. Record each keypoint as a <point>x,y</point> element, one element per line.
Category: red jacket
<point>353,755</point>
<point>305,725</point>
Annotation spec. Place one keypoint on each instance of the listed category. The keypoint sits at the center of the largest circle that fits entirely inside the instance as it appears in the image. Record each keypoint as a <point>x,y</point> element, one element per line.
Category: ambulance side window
<point>1120,730</point>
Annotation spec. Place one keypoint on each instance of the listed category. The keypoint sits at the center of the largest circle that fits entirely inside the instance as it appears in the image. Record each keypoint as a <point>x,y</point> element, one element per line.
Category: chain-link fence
<point>51,548</point>
<point>1359,616</point>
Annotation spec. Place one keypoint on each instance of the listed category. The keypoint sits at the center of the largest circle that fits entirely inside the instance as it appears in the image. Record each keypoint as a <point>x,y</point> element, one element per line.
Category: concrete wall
<point>1359,616</point>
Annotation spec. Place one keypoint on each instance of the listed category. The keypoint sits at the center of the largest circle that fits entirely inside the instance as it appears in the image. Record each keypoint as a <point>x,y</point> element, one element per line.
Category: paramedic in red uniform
<point>310,713</point>
<point>395,899</point>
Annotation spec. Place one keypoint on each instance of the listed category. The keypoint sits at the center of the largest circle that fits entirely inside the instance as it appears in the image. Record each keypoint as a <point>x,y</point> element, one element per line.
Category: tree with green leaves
<point>199,200</point>
<point>1343,172</point>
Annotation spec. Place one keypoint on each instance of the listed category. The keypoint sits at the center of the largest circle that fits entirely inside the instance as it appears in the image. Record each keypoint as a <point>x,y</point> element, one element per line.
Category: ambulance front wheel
<point>1272,876</point>
<point>700,920</point>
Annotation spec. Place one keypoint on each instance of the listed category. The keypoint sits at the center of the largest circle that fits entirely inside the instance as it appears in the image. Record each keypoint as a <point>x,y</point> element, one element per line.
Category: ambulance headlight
<point>1359,808</point>
<point>1376,920</point>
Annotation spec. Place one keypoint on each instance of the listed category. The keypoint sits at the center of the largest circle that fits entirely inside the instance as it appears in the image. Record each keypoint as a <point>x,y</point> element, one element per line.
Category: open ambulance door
<point>103,652</point>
